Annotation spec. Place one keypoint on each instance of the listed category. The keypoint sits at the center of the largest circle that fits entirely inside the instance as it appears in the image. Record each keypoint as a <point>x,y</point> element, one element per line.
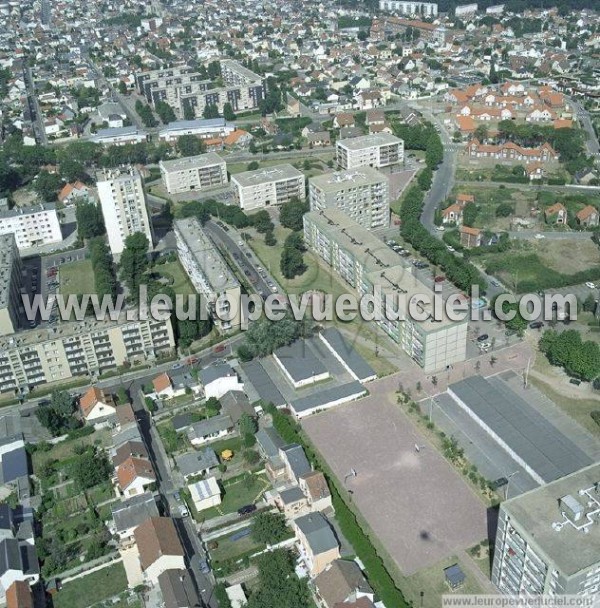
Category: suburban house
<point>342,581</point>
<point>317,543</point>
<point>174,385</point>
<point>192,464</point>
<point>470,237</point>
<point>18,595</point>
<point>343,119</point>
<point>163,387</point>
<point>315,488</point>
<point>18,562</point>
<point>556,214</point>
<point>133,469</point>
<point>159,548</point>
<point>588,216</point>
<point>453,214</point>
<point>125,416</point>
<point>205,493</point>
<point>128,514</point>
<point>535,170</point>
<point>216,380</point>
<point>511,151</point>
<point>210,429</point>
<point>235,404</point>
<point>97,406</point>
<point>290,501</point>
<point>295,461</point>
<point>71,193</point>
<point>178,590</point>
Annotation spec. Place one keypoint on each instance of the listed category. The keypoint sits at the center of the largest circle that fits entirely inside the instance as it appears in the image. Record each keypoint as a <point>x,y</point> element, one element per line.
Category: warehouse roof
<point>327,398</point>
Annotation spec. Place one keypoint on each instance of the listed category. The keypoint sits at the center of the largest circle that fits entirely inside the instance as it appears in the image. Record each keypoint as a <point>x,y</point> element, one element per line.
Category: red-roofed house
<point>163,387</point>
<point>71,192</point>
<point>588,216</point>
<point>96,405</point>
<point>556,214</point>
<point>470,237</point>
<point>134,475</point>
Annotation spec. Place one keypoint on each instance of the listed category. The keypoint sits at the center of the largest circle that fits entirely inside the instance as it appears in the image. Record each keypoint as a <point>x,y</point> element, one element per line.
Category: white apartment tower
<point>377,150</point>
<point>362,194</point>
<point>32,226</point>
<point>123,206</point>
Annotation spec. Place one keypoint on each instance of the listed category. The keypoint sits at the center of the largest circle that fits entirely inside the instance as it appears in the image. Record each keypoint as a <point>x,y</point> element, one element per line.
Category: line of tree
<point>577,357</point>
<point>204,210</point>
<point>291,214</point>
<point>90,222</point>
<point>165,112</point>
<point>105,280</point>
<point>134,263</point>
<point>145,113</point>
<point>292,256</point>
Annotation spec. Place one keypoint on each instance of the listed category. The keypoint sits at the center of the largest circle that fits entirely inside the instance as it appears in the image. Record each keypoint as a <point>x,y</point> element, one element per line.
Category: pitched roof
<point>177,589</point>
<point>131,469</point>
<point>125,414</point>
<point>234,137</point>
<point>133,511</point>
<point>161,383</point>
<point>339,580</point>
<point>157,537</point>
<point>93,396</point>
<point>465,198</point>
<point>129,448</point>
<point>586,212</point>
<point>318,532</point>
<point>19,595</point>
<point>363,602</point>
<point>554,209</point>
<point>316,484</point>
<point>469,230</point>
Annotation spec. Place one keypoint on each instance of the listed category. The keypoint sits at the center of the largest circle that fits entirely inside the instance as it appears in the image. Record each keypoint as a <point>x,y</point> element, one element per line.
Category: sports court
<point>419,507</point>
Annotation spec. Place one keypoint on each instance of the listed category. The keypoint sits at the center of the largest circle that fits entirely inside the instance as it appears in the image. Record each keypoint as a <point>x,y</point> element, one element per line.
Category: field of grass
<point>239,494</point>
<point>93,588</point>
<point>174,271</point>
<point>228,549</point>
<point>77,278</point>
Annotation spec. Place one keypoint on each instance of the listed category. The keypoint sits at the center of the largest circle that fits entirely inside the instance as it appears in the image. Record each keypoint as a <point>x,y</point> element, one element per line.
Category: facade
<point>97,405</point>
<point>209,273</point>
<point>412,9</point>
<point>39,356</point>
<point>32,226</point>
<point>511,152</point>
<point>548,539</point>
<point>372,268</point>
<point>188,92</point>
<point>377,150</point>
<point>10,285</point>
<point>317,542</point>
<point>123,205</point>
<point>362,194</point>
<point>268,187</point>
<point>193,173</point>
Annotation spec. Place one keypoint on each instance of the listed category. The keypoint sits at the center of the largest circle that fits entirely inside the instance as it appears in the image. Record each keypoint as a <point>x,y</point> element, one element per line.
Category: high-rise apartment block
<point>124,208</point>
<point>548,539</point>
<point>32,226</point>
<point>209,273</point>
<point>412,9</point>
<point>193,173</point>
<point>377,150</point>
<point>268,187</point>
<point>10,285</point>
<point>362,194</point>
<point>368,265</point>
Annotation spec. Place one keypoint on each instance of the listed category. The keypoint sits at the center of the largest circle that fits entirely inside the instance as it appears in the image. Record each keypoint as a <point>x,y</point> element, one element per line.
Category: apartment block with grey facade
<point>377,150</point>
<point>200,172</point>
<point>548,539</point>
<point>362,194</point>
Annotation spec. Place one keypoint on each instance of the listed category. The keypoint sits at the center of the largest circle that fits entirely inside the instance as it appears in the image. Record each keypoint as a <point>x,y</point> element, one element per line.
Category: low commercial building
<point>362,194</point>
<point>119,136</point>
<point>364,262</point>
<point>193,173</point>
<point>43,355</point>
<point>205,129</point>
<point>209,273</point>
<point>10,284</point>
<point>377,150</point>
<point>299,364</point>
<point>268,187</point>
<point>347,355</point>
<point>548,539</point>
<point>32,226</point>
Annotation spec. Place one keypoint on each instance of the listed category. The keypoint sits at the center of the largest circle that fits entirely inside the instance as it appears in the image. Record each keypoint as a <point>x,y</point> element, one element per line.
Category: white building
<point>124,207</point>
<point>210,127</point>
<point>32,226</point>
<point>376,150</point>
<point>362,194</point>
<point>193,173</point>
<point>423,9</point>
<point>119,136</point>
<point>205,493</point>
<point>268,187</point>
<point>219,379</point>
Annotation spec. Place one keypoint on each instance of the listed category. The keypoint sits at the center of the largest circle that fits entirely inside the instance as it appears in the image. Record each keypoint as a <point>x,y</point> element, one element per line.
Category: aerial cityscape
<point>299,304</point>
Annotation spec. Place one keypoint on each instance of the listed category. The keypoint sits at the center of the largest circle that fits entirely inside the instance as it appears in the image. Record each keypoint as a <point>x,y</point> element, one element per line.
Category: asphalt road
<point>586,123</point>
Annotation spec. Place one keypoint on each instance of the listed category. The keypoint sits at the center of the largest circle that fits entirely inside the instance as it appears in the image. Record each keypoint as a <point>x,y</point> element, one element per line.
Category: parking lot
<point>417,505</point>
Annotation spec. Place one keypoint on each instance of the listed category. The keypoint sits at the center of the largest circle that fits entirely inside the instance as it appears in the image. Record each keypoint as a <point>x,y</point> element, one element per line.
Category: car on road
<point>439,279</point>
<point>177,496</point>
<point>536,325</point>
<point>498,483</point>
<point>203,565</point>
<point>246,509</point>
<point>273,289</point>
<point>450,248</point>
<point>590,285</point>
<point>575,381</point>
<point>183,511</point>
<point>482,338</point>
<point>247,272</point>
<point>494,283</point>
<point>177,366</point>
<point>240,243</point>
<point>539,236</point>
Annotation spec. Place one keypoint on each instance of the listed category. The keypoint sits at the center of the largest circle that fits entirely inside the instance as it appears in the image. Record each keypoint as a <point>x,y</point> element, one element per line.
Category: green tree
<point>47,185</point>
<point>470,214</point>
<point>251,457</point>
<point>270,239</point>
<point>504,210</point>
<point>72,170</point>
<point>228,113</point>
<point>90,222</point>
<point>190,145</point>
<point>247,425</point>
<point>189,330</point>
<point>269,528</point>
<point>210,111</point>
<point>252,165</point>
<point>291,214</point>
<point>91,468</point>
<point>122,88</point>
<point>292,263</point>
<point>165,112</point>
<point>264,336</point>
<point>295,240</point>
<point>133,263</point>
<point>57,416</point>
<point>261,221</point>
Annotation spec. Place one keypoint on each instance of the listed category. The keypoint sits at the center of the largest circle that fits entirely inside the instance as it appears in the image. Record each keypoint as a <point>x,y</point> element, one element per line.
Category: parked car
<point>177,496</point>
<point>183,511</point>
<point>536,325</point>
<point>439,278</point>
<point>440,228</point>
<point>450,248</point>
<point>203,565</point>
<point>575,381</point>
<point>246,509</point>
<point>498,483</point>
<point>590,285</point>
<point>482,338</point>
<point>177,366</point>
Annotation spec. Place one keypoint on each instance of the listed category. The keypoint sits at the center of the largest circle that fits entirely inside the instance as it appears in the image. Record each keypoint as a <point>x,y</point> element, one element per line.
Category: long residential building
<point>364,262</point>
<point>548,539</point>
<point>377,150</point>
<point>42,355</point>
<point>123,204</point>
<point>268,187</point>
<point>209,273</point>
<point>203,128</point>
<point>193,173</point>
<point>362,194</point>
<point>32,226</point>
<point>10,285</point>
<point>187,91</point>
<point>411,9</point>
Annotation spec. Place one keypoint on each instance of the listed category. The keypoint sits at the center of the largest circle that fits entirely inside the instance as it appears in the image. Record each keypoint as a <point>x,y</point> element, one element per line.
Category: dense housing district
<point>206,154</point>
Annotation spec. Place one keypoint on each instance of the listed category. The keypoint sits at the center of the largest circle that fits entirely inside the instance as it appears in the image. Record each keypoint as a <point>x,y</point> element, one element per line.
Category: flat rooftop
<point>17,211</point>
<point>352,360</point>
<point>191,162</point>
<point>213,266</point>
<point>335,394</point>
<point>299,361</point>
<point>239,69</point>
<point>348,178</point>
<point>548,452</point>
<point>534,513</point>
<point>369,141</point>
<point>123,174</point>
<point>266,176</point>
<point>262,383</point>
<point>201,123</point>
<point>382,265</point>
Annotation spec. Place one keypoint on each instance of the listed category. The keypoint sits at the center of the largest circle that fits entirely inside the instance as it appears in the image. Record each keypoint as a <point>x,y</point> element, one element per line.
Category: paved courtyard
<point>419,507</point>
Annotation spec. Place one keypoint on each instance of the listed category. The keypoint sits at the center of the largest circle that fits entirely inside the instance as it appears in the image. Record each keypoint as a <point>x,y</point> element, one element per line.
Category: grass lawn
<point>237,495</point>
<point>77,278</point>
<point>173,270</point>
<point>92,588</point>
<point>228,549</point>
